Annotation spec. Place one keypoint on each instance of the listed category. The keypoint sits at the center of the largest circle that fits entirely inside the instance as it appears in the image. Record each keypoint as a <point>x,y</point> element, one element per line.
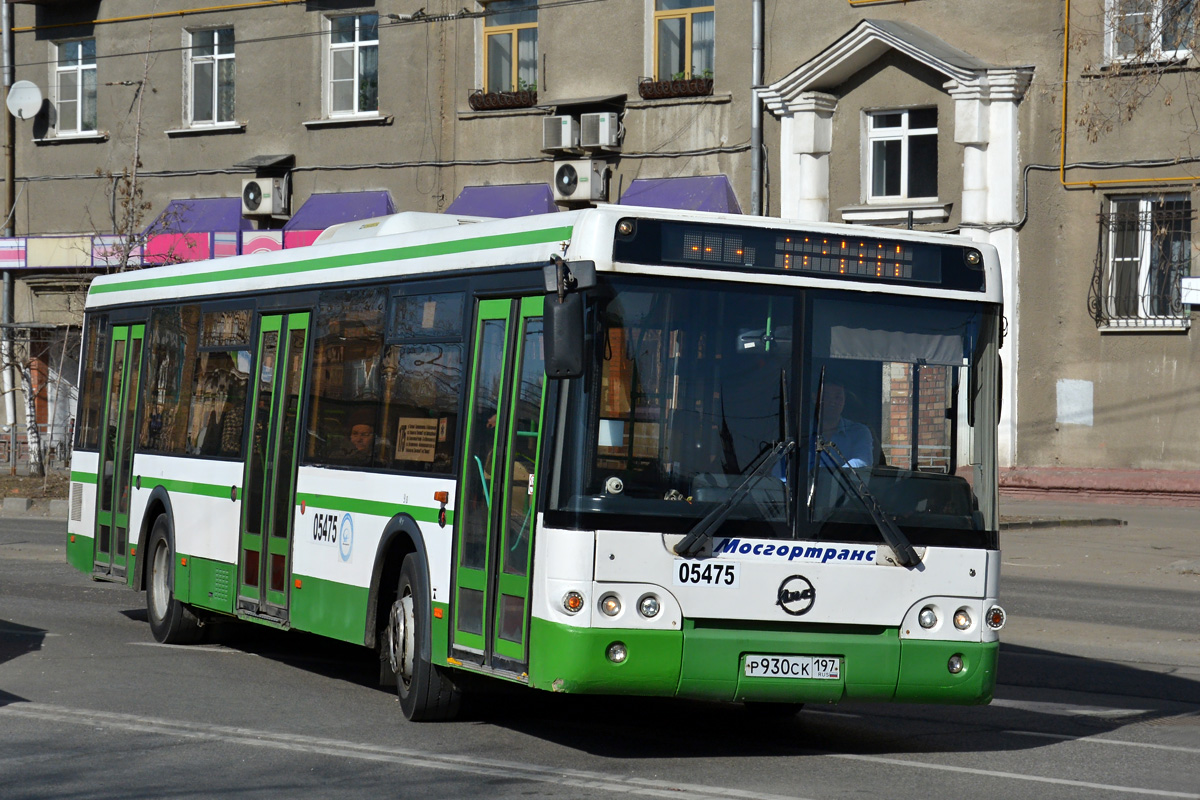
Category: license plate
<point>706,573</point>
<point>822,668</point>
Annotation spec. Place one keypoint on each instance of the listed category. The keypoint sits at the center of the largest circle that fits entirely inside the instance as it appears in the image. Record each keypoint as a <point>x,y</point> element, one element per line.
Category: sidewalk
<point>1133,545</point>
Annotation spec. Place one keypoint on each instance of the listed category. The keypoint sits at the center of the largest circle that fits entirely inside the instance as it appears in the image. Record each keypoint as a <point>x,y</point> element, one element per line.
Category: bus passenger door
<point>497,511</point>
<point>116,450</point>
<point>269,488</point>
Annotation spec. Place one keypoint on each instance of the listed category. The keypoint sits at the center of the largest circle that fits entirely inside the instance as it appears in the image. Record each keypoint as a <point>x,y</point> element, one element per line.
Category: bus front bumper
<point>706,660</point>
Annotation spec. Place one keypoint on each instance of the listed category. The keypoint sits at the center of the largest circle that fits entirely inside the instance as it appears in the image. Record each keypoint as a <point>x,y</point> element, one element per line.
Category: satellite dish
<point>24,99</point>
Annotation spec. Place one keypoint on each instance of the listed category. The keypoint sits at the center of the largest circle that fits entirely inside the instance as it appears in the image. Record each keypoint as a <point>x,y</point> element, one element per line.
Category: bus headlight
<point>616,652</point>
<point>955,664</point>
<point>610,604</point>
<point>649,606</point>
<point>962,619</point>
<point>927,617</point>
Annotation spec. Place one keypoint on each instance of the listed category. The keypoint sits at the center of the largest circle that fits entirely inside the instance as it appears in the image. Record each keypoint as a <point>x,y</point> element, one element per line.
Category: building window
<point>1149,30</point>
<point>902,154</point>
<point>1149,248</point>
<point>684,39</point>
<point>510,46</point>
<point>210,76</point>
<point>354,65</point>
<point>75,86</point>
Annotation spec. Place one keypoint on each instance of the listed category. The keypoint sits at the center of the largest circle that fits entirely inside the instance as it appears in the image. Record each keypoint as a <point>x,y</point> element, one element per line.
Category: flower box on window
<point>651,89</point>
<point>480,100</point>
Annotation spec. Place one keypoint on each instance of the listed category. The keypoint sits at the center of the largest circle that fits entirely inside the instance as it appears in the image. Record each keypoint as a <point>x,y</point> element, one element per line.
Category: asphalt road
<point>90,707</point>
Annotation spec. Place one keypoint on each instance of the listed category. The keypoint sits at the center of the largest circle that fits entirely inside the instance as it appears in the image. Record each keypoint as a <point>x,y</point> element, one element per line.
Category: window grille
<point>1144,248</point>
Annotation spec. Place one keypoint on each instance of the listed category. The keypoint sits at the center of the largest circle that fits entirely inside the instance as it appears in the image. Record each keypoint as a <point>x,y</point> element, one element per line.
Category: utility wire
<point>1137,163</point>
<point>394,21</point>
<point>461,162</point>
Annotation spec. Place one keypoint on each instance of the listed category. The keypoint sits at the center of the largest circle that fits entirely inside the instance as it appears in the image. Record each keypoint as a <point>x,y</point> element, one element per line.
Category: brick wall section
<point>932,437</point>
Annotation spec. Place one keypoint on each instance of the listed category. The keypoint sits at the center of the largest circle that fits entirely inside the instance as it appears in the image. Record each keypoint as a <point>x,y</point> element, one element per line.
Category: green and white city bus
<point>614,450</point>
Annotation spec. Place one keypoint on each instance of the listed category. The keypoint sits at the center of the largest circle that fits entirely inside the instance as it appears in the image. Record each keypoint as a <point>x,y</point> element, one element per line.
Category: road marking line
<point>808,712</point>
<point>368,752</point>
<point>1069,709</point>
<point>1149,745</point>
<point>204,648</point>
<point>1016,776</point>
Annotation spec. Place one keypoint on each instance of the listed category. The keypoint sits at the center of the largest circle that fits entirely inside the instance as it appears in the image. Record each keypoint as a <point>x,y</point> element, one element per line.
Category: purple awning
<point>322,210</point>
<point>201,215</point>
<point>519,200</point>
<point>700,193</point>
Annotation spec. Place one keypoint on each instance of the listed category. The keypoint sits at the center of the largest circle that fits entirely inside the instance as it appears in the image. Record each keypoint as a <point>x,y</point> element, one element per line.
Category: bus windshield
<point>690,387</point>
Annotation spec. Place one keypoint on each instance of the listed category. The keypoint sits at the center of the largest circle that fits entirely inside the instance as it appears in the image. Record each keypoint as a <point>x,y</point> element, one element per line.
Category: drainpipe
<point>10,169</point>
<point>756,76</point>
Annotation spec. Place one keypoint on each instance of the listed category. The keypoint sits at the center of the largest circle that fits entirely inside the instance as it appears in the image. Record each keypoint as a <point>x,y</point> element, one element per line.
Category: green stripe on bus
<point>223,491</point>
<point>84,477</point>
<point>355,505</point>
<point>336,262</point>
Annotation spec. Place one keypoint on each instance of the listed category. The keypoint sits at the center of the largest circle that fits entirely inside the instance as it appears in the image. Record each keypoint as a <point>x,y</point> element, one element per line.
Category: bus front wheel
<point>171,621</point>
<point>425,691</point>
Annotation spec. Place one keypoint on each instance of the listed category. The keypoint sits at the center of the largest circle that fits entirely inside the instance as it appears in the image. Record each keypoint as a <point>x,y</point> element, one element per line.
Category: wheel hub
<point>400,638</point>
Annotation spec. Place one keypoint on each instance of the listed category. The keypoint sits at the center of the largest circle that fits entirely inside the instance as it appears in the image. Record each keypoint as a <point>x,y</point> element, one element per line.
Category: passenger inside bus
<point>360,443</point>
<point>853,440</point>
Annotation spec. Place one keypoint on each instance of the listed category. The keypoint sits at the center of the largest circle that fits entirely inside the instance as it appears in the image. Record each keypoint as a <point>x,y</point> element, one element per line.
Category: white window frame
<point>1144,259</point>
<point>1115,14</point>
<point>80,69</point>
<point>356,47</point>
<point>216,59</point>
<point>903,133</point>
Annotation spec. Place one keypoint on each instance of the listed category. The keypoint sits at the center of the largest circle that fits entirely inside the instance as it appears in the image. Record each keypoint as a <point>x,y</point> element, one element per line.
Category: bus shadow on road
<point>1068,697</point>
<point>1046,669</point>
<point>16,640</point>
<point>1061,697</point>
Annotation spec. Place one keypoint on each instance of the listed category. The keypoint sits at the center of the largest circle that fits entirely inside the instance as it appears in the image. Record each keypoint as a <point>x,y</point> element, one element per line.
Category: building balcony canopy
<point>697,193</point>
<point>332,208</point>
<point>514,200</point>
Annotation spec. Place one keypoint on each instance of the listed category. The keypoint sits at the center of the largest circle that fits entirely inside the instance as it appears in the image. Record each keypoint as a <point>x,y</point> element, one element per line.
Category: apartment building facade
<point>939,114</point>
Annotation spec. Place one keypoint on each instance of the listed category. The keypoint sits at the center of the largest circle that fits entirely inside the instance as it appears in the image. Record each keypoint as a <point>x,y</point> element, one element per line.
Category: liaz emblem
<point>796,595</point>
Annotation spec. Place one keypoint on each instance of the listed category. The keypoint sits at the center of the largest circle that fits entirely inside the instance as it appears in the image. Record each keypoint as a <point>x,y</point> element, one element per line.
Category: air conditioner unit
<point>559,133</point>
<point>582,181</point>
<point>264,197</point>
<point>600,130</point>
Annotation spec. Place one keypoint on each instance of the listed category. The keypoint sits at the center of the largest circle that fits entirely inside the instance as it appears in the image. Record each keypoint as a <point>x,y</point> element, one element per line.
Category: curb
<point>1019,523</point>
<point>57,508</point>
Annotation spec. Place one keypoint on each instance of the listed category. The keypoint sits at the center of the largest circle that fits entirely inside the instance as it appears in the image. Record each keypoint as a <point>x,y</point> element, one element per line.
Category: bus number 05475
<point>706,573</point>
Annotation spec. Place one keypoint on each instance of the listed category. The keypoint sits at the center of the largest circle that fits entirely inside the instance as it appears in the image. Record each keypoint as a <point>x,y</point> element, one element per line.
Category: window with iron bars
<point>1145,247</point>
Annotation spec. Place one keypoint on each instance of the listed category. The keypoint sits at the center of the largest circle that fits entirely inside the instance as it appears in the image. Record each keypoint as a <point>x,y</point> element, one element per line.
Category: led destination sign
<point>857,258</point>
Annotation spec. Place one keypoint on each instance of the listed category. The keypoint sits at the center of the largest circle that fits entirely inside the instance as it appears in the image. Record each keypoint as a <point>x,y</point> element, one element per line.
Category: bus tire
<point>171,621</point>
<point>425,692</point>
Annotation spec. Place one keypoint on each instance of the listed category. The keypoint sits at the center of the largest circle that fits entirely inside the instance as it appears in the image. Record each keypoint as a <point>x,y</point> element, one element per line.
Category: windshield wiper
<point>703,530</point>
<point>853,482</point>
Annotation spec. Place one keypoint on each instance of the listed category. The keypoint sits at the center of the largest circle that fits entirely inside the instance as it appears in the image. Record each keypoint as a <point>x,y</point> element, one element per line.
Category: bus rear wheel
<point>171,621</point>
<point>425,692</point>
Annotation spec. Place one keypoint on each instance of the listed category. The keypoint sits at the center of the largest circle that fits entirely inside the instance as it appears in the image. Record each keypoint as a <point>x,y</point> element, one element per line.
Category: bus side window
<point>173,343</point>
<point>346,380</point>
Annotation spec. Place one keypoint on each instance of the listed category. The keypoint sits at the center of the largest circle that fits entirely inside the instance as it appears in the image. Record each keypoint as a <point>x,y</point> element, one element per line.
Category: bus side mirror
<point>564,336</point>
<point>564,315</point>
